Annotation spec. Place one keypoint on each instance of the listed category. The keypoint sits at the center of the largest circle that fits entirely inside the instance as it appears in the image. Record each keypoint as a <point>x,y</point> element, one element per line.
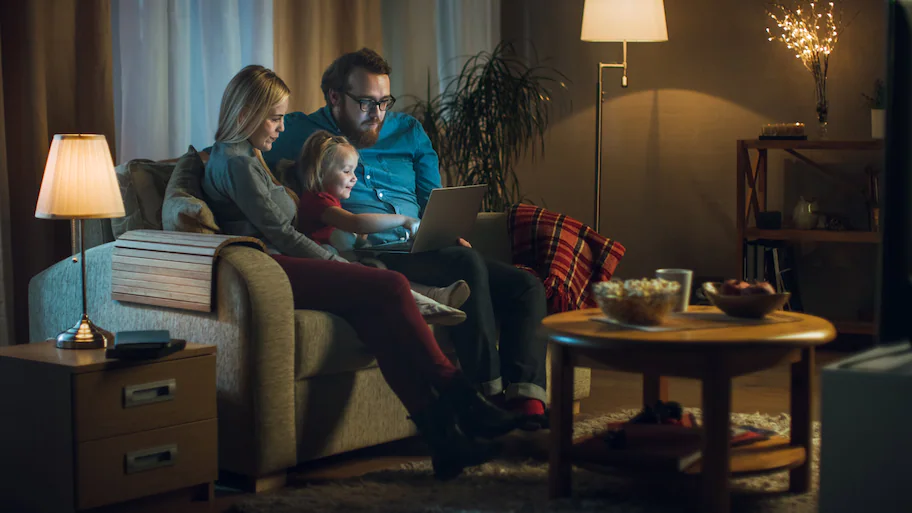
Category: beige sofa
<point>293,385</point>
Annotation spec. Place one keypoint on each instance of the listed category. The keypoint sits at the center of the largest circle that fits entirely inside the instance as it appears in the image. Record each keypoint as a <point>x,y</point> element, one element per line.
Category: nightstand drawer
<point>139,398</point>
<point>125,467</point>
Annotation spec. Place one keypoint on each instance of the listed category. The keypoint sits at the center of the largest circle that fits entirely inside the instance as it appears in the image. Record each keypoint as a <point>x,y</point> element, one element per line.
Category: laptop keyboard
<point>390,245</point>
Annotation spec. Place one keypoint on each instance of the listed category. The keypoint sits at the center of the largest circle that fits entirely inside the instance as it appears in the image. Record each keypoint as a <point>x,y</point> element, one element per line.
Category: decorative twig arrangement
<point>810,29</point>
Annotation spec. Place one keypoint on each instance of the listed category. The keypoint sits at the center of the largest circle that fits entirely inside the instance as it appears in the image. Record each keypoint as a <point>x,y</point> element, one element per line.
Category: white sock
<point>455,295</point>
<point>437,313</point>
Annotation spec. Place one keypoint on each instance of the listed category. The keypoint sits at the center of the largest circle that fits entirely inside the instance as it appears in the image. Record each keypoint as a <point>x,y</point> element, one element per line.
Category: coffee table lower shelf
<point>771,455</point>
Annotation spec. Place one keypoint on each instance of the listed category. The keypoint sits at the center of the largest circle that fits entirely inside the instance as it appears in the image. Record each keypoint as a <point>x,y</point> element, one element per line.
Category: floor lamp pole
<point>598,133</point>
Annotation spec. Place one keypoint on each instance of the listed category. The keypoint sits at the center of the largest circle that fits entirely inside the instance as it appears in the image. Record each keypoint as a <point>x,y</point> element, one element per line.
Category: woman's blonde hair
<point>247,101</point>
<point>320,152</point>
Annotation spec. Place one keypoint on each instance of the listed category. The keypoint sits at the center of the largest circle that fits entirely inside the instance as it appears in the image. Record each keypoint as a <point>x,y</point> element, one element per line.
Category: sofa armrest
<point>491,237</point>
<point>252,326</point>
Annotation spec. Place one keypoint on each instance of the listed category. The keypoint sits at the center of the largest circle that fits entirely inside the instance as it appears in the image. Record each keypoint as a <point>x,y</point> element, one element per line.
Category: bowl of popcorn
<point>643,302</point>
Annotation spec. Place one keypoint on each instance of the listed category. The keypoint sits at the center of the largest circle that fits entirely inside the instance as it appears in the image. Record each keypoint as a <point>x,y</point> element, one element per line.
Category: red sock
<point>526,406</point>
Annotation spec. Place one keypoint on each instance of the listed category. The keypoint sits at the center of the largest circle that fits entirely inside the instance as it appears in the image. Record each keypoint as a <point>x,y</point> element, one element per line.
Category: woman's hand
<point>411,224</point>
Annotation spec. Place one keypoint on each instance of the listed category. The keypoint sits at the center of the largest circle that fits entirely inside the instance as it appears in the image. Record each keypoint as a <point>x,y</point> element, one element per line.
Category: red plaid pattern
<point>564,253</point>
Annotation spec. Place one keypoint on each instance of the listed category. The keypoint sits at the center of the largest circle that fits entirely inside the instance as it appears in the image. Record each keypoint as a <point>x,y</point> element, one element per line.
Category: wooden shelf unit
<point>776,144</point>
<point>752,198</point>
<point>813,235</point>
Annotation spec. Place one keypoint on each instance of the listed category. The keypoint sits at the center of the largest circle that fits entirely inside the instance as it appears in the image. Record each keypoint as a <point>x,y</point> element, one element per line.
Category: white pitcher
<point>805,214</point>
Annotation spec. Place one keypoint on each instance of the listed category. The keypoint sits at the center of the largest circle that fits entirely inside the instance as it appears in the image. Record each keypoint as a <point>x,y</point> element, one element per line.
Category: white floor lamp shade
<point>634,21</point>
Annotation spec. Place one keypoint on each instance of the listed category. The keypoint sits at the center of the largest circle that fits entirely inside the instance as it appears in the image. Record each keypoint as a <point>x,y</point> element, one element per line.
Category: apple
<point>734,287</point>
<point>761,288</point>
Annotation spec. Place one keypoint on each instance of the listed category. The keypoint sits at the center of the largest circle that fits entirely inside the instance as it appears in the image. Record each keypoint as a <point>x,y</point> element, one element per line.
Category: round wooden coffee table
<point>701,351</point>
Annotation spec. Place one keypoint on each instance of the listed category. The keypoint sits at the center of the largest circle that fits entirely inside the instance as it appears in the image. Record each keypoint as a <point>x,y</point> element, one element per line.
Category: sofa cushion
<point>326,344</point>
<point>183,209</point>
<point>285,174</point>
<point>142,186</point>
<point>491,238</point>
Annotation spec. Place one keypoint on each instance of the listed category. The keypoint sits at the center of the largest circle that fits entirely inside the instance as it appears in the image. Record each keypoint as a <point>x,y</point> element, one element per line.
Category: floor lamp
<point>618,21</point>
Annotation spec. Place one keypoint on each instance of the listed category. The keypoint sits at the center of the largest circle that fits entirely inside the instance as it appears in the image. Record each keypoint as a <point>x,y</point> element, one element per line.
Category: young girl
<point>248,200</point>
<point>325,171</point>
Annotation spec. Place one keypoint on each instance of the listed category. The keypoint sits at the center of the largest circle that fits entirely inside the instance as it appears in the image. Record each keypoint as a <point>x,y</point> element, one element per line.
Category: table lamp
<point>618,21</point>
<point>79,183</point>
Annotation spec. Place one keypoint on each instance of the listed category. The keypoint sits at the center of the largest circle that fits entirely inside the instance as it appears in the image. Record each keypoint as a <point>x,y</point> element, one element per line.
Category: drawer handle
<point>148,393</point>
<point>148,459</point>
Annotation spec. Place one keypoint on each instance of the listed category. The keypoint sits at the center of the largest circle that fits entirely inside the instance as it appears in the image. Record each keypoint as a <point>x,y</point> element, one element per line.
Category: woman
<point>247,200</point>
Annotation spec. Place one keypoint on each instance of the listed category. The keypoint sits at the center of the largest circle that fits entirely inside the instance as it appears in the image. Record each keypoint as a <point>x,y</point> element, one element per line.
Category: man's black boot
<point>476,416</point>
<point>451,450</point>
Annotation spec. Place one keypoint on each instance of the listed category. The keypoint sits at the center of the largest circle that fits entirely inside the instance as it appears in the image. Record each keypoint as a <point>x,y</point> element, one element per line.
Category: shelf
<point>814,235</point>
<point>765,456</point>
<point>870,145</point>
<point>854,327</point>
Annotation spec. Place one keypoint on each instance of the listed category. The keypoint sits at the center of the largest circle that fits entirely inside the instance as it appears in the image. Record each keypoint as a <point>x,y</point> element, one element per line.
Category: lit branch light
<point>811,32</point>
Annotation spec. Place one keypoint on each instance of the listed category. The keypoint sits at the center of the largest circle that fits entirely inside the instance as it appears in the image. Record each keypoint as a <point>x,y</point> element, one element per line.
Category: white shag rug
<point>521,485</point>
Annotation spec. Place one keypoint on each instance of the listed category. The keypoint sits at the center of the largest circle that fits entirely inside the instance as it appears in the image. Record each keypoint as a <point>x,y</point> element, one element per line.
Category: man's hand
<point>464,243</point>
<point>411,225</point>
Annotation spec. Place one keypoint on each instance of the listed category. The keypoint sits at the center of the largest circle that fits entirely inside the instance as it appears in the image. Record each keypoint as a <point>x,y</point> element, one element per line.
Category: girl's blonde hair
<point>247,101</point>
<point>320,152</point>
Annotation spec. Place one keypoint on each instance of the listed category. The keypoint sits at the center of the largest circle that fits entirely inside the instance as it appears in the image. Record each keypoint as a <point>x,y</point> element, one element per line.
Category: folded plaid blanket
<point>565,254</point>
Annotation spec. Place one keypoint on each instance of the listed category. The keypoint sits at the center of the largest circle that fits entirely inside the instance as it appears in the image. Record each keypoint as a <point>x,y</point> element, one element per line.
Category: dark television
<point>895,280</point>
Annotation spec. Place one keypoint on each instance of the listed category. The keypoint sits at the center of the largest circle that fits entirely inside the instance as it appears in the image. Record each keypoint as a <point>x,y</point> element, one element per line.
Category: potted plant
<point>488,116</point>
<point>877,102</point>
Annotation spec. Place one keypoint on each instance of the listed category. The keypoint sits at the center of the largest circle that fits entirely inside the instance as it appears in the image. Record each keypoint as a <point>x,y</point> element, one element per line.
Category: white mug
<point>685,278</point>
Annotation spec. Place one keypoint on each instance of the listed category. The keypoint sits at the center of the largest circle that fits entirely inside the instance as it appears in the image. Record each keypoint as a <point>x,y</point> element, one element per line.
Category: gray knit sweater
<point>246,202</point>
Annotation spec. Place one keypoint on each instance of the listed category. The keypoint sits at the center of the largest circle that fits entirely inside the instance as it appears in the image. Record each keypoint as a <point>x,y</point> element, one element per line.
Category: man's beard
<point>356,135</point>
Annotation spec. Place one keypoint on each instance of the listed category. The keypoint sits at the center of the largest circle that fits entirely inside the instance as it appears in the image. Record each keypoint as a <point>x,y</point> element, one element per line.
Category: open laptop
<point>450,214</point>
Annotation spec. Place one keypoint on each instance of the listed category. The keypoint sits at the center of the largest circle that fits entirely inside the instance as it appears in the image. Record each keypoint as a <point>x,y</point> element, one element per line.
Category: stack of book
<point>143,345</point>
<point>659,447</point>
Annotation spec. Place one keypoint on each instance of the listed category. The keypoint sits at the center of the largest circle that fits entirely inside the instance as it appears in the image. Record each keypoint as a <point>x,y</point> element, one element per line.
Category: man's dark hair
<point>336,75</point>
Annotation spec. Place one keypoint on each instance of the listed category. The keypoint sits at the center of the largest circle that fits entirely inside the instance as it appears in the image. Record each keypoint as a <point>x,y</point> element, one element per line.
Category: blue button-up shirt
<point>395,176</point>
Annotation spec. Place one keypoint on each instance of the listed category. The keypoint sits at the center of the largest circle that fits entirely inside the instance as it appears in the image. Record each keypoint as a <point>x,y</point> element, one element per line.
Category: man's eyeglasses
<point>366,104</point>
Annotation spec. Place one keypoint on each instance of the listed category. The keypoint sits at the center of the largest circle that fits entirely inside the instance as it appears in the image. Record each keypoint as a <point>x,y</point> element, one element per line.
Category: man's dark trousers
<point>500,294</point>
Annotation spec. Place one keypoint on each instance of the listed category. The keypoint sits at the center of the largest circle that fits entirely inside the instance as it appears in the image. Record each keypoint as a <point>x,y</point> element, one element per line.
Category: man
<point>397,170</point>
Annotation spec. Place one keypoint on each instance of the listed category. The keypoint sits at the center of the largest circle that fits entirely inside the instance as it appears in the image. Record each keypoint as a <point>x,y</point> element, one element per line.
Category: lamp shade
<point>79,180</point>
<point>624,20</point>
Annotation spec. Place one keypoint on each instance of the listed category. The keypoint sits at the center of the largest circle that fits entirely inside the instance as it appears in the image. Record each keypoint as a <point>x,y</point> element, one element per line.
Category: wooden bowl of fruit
<point>743,299</point>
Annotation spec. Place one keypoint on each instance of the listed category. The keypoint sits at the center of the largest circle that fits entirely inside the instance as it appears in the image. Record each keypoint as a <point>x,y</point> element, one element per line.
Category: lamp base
<point>83,335</point>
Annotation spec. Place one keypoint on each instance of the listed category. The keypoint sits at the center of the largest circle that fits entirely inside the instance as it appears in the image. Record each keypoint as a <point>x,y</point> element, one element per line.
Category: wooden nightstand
<point>78,431</point>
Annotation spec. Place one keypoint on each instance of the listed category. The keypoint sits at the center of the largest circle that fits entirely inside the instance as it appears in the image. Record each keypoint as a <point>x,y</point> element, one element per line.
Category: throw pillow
<point>184,209</point>
<point>142,186</point>
<point>285,174</point>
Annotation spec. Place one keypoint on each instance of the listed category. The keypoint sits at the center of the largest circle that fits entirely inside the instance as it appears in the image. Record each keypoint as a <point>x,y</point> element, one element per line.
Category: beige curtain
<point>310,34</point>
<point>56,78</point>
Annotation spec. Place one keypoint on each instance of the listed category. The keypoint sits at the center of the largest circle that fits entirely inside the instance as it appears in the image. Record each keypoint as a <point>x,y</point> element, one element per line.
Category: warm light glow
<point>624,20</point>
<point>801,30</point>
<point>79,180</point>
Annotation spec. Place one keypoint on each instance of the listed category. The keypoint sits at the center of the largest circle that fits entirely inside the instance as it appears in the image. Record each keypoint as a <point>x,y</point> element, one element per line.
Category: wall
<point>668,166</point>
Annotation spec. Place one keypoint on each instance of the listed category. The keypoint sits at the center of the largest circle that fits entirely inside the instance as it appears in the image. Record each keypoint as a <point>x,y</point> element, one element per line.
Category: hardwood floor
<point>764,392</point>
